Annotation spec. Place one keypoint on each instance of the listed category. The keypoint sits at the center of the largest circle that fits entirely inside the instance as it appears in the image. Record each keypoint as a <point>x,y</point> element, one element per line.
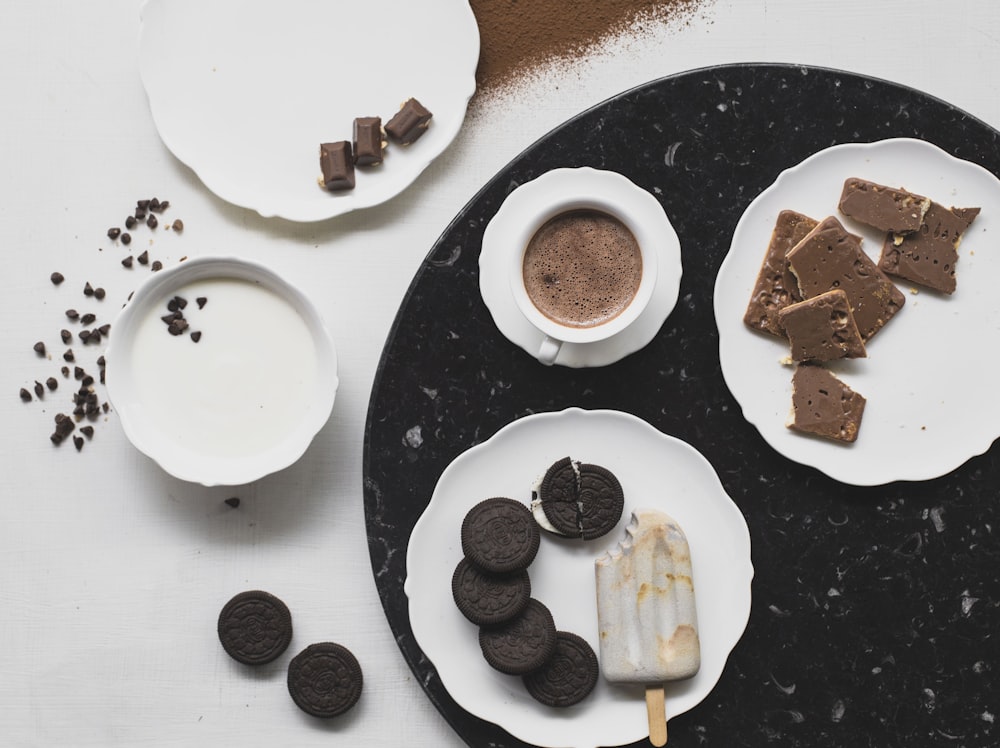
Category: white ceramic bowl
<point>239,401</point>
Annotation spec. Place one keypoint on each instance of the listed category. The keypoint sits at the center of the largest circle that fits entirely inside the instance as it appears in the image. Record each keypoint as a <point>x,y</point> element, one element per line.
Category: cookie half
<point>568,676</point>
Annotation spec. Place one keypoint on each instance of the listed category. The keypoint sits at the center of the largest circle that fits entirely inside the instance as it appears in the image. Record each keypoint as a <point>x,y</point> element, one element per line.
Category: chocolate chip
<point>65,371</point>
<point>130,222</point>
<point>164,204</point>
<point>157,265</point>
<point>152,222</point>
<point>78,372</point>
<point>72,314</point>
<point>177,225</point>
<point>127,261</point>
<point>104,330</point>
<point>100,293</point>
<point>233,501</point>
<point>140,214</point>
<point>56,438</point>
<point>114,233</point>
<point>57,278</point>
<point>84,336</point>
<point>52,383</point>
<point>88,318</point>
<point>142,204</point>
<point>39,348</point>
<point>39,389</point>
<point>126,239</point>
<point>87,431</point>
<point>66,335</point>
<point>78,442</point>
<point>25,395</point>
<point>178,326</point>
<point>144,257</point>
<point>88,290</point>
<point>201,301</point>
<point>68,355</point>
<point>196,336</point>
<point>154,204</point>
<point>100,359</point>
<point>87,381</point>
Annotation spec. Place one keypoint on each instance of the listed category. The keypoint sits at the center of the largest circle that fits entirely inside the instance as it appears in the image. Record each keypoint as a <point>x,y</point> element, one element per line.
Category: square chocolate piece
<point>829,257</point>
<point>337,163</point>
<point>367,141</point>
<point>409,123</point>
<point>776,286</point>
<point>928,256</point>
<point>884,208</point>
<point>822,405</point>
<point>822,328</point>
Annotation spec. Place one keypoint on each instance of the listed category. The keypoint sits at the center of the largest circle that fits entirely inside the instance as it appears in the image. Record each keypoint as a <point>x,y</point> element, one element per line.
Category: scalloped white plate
<point>655,470</point>
<point>931,393</point>
<point>244,93</point>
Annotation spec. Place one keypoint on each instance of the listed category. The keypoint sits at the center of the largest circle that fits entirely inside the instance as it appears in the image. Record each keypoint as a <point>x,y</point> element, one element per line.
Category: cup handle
<point>549,349</point>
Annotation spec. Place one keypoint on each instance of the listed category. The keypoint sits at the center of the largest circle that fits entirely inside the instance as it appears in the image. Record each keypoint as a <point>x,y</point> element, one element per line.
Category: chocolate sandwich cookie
<point>499,535</point>
<point>580,500</point>
<point>325,680</point>
<point>489,599</point>
<point>568,676</point>
<point>255,627</point>
<point>522,644</point>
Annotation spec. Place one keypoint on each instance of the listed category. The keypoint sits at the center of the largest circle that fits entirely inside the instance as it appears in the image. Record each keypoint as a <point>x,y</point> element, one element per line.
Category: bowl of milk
<point>221,371</point>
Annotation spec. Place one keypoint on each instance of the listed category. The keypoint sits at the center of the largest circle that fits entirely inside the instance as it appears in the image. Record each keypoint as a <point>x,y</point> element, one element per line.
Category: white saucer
<point>533,198</point>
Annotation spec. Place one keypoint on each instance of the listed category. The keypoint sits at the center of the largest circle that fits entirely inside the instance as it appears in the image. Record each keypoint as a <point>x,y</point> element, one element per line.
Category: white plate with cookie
<point>655,471</point>
<point>927,379</point>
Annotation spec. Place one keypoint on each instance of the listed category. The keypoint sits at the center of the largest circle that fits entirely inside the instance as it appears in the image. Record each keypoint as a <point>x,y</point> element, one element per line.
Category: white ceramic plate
<point>244,93</point>
<point>655,470</point>
<point>523,207</point>
<point>932,400</point>
<point>243,401</point>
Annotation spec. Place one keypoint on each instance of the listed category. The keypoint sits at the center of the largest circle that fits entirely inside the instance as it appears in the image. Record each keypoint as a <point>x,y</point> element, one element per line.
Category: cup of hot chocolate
<point>583,269</point>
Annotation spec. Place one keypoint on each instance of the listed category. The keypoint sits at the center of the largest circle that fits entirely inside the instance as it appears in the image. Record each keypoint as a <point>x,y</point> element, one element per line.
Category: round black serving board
<point>875,618</point>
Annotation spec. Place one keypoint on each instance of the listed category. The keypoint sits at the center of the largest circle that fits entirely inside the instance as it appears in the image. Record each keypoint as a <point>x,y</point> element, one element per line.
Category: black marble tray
<point>876,611</point>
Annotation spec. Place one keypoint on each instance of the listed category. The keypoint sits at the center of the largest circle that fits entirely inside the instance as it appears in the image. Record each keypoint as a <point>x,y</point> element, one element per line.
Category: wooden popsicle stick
<point>656,714</point>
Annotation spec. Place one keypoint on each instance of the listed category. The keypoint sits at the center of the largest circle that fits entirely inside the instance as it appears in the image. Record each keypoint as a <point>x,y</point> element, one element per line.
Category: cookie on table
<point>325,679</point>
<point>489,599</point>
<point>500,536</point>
<point>255,627</point>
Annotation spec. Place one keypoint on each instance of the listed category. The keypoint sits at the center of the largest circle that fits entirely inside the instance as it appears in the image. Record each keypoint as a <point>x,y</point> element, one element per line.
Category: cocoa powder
<point>519,36</point>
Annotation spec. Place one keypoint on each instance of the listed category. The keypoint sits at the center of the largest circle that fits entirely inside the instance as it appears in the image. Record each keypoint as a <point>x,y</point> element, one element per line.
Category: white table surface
<point>112,573</point>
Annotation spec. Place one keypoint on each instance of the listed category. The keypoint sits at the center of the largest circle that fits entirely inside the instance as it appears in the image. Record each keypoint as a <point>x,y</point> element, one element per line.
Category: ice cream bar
<point>648,625</point>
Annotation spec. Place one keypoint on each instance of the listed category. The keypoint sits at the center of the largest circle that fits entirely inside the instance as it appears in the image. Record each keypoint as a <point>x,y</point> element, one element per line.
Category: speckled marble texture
<point>875,617</point>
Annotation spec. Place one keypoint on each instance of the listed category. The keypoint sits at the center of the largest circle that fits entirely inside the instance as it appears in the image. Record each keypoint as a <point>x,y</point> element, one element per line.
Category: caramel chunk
<point>824,406</point>
<point>367,141</point>
<point>829,257</point>
<point>776,286</point>
<point>337,163</point>
<point>409,123</point>
<point>884,208</point>
<point>822,328</point>
<point>928,256</point>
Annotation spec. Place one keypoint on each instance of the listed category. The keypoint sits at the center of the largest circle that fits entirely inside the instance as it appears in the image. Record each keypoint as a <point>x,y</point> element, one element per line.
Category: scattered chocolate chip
<point>56,438</point>
<point>39,389</point>
<point>78,372</point>
<point>25,395</point>
<point>52,383</point>
<point>154,204</point>
<point>196,336</point>
<point>72,314</point>
<point>201,301</point>
<point>87,381</point>
<point>68,355</point>
<point>179,301</point>
<point>88,290</point>
<point>102,375</point>
<point>78,442</point>
<point>178,326</point>
<point>144,257</point>
<point>142,204</point>
<point>100,359</point>
<point>114,233</point>
<point>87,431</point>
<point>126,239</point>
<point>100,293</point>
<point>164,204</point>
<point>84,336</point>
<point>127,261</point>
<point>233,501</point>
<point>157,265</point>
<point>140,214</point>
<point>39,348</point>
<point>65,371</point>
<point>88,318</point>
<point>152,222</point>
<point>57,278</point>
<point>105,407</point>
<point>130,222</point>
<point>104,330</point>
<point>66,335</point>
<point>177,225</point>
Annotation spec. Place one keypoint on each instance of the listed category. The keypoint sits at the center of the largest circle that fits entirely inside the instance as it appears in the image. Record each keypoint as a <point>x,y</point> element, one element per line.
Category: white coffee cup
<point>604,192</point>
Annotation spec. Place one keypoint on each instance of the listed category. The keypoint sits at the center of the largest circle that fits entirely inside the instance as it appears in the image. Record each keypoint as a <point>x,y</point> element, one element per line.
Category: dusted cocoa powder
<point>519,36</point>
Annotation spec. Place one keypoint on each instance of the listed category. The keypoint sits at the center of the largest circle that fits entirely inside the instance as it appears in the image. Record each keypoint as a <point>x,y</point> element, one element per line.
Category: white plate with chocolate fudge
<point>253,96</point>
<point>651,471</point>
<point>856,308</point>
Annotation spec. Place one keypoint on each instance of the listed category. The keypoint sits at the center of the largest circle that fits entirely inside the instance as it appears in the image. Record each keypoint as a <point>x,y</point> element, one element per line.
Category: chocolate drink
<point>582,268</point>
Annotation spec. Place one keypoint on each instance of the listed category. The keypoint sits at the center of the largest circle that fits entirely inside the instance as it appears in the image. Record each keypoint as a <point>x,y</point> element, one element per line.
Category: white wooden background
<point>112,573</point>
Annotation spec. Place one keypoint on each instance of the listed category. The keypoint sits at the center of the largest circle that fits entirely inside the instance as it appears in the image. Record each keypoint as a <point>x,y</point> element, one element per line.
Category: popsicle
<point>646,611</point>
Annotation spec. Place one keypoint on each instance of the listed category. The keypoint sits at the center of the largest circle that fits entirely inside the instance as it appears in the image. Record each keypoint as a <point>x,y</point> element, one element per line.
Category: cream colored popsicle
<point>646,611</point>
